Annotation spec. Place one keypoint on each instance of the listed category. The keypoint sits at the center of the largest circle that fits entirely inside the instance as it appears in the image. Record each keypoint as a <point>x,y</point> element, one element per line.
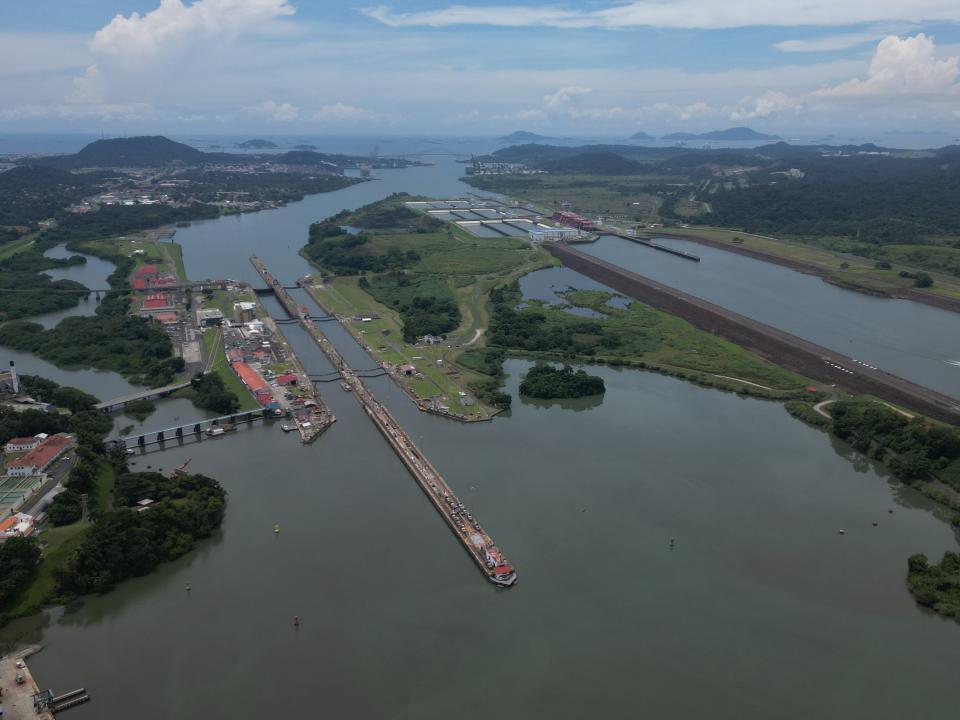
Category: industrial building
<point>244,311</point>
<point>209,317</point>
<point>41,457</point>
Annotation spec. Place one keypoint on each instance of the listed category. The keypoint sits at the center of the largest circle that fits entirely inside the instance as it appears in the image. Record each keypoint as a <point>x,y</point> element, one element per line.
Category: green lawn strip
<point>831,254</point>
<point>643,337</point>
<point>629,196</point>
<point>344,297</point>
<point>59,544</point>
<point>222,368</point>
<point>175,251</point>
<point>18,245</point>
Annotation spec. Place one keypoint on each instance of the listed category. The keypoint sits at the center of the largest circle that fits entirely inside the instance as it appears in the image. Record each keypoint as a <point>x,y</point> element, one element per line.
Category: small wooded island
<point>550,383</point>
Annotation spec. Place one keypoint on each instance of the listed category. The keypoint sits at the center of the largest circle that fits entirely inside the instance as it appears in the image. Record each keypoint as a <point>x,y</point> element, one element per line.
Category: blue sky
<point>599,68</point>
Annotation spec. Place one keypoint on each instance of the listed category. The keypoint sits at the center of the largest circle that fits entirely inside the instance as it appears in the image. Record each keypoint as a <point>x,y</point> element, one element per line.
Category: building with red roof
<point>21,444</point>
<point>157,301</point>
<point>166,318</point>
<point>145,271</point>
<point>18,525</point>
<point>287,379</point>
<point>41,457</point>
<point>250,377</point>
<point>140,283</point>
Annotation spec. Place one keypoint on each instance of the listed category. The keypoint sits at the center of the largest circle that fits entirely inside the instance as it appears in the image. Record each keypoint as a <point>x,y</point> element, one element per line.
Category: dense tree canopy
<point>549,382</point>
<point>124,543</point>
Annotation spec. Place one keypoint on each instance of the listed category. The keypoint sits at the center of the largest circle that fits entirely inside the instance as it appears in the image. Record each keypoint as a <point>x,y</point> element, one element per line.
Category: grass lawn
<point>223,300</point>
<point>625,195</point>
<point>19,245</point>
<point>221,367</point>
<point>59,544</point>
<point>830,254</point>
<point>345,298</point>
<point>640,334</point>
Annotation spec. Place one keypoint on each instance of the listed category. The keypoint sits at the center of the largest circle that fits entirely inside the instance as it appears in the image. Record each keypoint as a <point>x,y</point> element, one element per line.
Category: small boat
<point>286,428</point>
<point>346,387</point>
<point>215,431</point>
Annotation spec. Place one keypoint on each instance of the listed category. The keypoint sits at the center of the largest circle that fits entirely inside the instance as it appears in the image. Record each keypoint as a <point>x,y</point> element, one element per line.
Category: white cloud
<point>907,66</point>
<point>704,14</point>
<point>682,112</point>
<point>282,112</point>
<point>340,111</point>
<point>828,43</point>
<point>765,105</point>
<point>565,96</point>
<point>174,24</point>
<point>100,112</point>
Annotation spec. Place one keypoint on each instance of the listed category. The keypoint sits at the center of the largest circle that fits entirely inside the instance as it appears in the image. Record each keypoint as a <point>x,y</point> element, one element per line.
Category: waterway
<point>915,341</point>
<point>760,610</point>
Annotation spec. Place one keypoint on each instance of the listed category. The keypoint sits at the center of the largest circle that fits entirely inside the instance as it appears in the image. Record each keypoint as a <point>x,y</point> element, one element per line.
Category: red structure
<point>157,301</point>
<point>565,217</point>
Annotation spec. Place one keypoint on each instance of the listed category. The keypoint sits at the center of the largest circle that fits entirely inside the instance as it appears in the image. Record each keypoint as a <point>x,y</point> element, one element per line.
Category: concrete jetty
<point>17,700</point>
<point>477,542</point>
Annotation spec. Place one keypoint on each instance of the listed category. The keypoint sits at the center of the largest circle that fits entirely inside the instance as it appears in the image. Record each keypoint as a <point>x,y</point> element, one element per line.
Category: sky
<point>591,68</point>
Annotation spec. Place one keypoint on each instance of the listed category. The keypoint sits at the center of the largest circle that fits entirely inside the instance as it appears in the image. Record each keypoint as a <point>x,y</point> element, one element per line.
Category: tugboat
<point>499,571</point>
<point>286,428</point>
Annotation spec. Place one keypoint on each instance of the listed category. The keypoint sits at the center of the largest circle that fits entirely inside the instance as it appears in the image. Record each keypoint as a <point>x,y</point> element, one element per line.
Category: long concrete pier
<point>777,346</point>
<point>477,542</point>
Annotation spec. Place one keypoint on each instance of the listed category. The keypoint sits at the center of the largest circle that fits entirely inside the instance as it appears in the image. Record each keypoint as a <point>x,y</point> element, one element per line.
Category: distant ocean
<point>419,145</point>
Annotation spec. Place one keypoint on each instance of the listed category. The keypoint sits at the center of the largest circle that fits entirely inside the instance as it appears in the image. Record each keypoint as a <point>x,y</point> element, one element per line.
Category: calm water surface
<point>915,341</point>
<point>761,610</point>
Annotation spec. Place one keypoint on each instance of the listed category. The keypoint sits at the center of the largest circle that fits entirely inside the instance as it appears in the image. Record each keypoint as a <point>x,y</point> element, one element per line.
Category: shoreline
<point>779,347</point>
<point>809,268</point>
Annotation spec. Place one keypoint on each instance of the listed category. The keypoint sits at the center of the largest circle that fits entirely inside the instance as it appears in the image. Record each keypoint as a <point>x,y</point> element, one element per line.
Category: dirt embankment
<point>907,293</point>
<point>777,346</point>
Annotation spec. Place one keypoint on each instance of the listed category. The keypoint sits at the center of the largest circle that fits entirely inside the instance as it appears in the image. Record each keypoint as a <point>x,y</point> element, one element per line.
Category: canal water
<point>915,341</point>
<point>761,609</point>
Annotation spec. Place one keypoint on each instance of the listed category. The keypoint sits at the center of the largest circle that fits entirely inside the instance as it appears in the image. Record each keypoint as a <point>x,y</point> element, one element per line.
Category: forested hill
<point>147,151</point>
<point>158,151</point>
<point>869,193</point>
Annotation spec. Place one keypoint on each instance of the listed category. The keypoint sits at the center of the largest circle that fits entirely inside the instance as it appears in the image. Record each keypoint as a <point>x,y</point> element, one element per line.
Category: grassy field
<point>452,263</point>
<point>213,344</point>
<point>58,546</point>
<point>168,256</point>
<point>223,301</point>
<point>18,245</point>
<point>627,196</point>
<point>830,255</point>
<point>641,336</point>
<point>383,337</point>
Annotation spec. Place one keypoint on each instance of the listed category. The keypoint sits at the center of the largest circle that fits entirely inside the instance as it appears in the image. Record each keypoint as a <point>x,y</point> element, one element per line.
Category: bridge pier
<point>179,432</point>
<point>160,436</point>
<point>141,441</point>
<point>196,429</point>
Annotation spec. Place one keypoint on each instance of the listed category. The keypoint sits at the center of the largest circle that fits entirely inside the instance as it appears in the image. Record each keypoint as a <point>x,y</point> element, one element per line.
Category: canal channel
<point>915,341</point>
<point>760,609</point>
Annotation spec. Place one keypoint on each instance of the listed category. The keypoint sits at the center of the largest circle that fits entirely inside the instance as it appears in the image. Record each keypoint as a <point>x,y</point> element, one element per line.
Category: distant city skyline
<point>283,67</point>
